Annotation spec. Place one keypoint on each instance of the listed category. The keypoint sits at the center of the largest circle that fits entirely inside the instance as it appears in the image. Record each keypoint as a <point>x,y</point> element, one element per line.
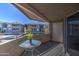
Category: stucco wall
<point>58,32</point>
<point>42,37</point>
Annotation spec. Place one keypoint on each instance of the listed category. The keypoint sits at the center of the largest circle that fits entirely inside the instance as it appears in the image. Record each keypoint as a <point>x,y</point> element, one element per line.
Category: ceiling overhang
<point>47,12</point>
<point>27,10</point>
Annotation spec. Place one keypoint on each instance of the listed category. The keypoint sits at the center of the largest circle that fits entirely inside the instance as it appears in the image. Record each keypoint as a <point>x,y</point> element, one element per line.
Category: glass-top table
<point>26,45</point>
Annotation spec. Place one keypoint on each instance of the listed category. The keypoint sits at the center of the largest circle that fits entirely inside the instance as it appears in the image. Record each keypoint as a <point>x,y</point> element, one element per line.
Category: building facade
<point>11,28</point>
<point>15,28</point>
<point>38,28</point>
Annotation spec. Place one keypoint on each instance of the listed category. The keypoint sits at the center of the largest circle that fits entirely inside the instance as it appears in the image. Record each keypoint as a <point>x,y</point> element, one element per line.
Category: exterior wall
<point>42,37</point>
<point>9,27</point>
<point>58,31</point>
<point>19,28</point>
<point>46,28</point>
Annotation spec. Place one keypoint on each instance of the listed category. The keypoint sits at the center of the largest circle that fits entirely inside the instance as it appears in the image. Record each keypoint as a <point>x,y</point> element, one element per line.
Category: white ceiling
<point>55,11</point>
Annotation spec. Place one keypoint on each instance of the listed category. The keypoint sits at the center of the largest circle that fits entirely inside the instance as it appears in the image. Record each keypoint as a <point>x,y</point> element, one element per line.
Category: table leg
<point>34,49</point>
<point>32,52</point>
<point>37,51</point>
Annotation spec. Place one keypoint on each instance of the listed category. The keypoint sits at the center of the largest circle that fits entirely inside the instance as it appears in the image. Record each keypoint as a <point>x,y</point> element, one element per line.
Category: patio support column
<point>51,30</point>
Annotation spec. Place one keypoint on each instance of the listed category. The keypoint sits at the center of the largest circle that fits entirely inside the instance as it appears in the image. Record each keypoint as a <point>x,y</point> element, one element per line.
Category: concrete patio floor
<point>43,49</point>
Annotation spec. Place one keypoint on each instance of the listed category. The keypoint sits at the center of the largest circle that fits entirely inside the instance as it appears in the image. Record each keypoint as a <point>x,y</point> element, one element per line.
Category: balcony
<point>12,48</point>
<point>53,42</point>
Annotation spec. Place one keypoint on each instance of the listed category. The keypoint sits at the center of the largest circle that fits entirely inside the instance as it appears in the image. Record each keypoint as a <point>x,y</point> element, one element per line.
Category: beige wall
<point>58,31</point>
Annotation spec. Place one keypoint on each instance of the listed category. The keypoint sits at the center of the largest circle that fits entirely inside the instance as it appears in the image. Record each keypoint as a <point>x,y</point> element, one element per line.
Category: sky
<point>9,13</point>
